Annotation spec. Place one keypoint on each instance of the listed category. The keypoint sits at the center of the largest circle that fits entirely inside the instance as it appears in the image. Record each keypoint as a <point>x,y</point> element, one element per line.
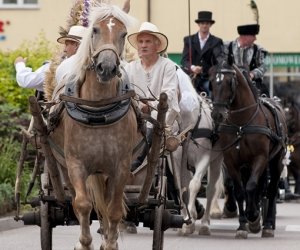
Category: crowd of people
<point>152,73</point>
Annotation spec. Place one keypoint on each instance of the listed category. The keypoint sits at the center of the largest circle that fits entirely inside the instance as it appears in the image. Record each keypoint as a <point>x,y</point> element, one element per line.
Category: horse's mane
<point>253,89</point>
<point>98,12</point>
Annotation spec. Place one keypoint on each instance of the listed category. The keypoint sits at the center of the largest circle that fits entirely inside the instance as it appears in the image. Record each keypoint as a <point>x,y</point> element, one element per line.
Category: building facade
<point>280,23</point>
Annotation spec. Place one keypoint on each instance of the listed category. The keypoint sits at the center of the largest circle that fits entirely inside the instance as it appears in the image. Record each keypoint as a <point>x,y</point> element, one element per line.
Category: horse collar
<point>100,116</point>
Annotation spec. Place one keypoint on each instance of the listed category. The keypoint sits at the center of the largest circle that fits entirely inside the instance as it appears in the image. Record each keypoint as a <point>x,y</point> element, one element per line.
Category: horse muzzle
<point>107,67</point>
<point>219,115</point>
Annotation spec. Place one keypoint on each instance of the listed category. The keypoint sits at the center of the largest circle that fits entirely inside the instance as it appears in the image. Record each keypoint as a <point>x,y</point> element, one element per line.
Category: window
<point>18,4</point>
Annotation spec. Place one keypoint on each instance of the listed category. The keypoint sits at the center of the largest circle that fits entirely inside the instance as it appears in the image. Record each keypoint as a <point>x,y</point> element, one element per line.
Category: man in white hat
<point>27,78</point>
<point>153,74</point>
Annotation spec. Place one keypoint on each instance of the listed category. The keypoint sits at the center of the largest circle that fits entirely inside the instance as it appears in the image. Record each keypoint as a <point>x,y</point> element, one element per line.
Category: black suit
<point>206,57</point>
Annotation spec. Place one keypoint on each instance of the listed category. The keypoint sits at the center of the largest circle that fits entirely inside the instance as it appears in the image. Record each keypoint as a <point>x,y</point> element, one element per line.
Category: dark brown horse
<point>293,122</point>
<point>252,134</point>
<point>98,129</point>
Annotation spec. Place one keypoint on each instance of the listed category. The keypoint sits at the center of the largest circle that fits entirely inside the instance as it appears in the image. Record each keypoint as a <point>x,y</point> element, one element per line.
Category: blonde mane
<point>99,12</point>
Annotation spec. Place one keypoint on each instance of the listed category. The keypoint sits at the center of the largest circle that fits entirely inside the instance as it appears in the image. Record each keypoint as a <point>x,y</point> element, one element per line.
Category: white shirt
<point>63,69</point>
<point>161,78</point>
<point>202,41</point>
<point>27,78</point>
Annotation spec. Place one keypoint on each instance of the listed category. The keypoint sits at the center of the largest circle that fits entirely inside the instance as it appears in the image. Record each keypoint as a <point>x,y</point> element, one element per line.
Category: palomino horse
<point>293,122</point>
<point>197,152</point>
<point>97,129</point>
<point>252,133</point>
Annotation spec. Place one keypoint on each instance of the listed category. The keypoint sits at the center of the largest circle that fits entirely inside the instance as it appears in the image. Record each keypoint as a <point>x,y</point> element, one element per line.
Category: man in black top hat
<point>201,51</point>
<point>248,55</point>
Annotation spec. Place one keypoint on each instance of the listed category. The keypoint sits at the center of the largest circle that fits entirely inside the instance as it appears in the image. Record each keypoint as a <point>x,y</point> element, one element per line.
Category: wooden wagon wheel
<point>158,231</point>
<point>46,227</point>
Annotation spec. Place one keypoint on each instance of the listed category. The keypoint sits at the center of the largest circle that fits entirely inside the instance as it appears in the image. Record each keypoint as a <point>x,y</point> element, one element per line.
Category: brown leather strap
<point>76,100</point>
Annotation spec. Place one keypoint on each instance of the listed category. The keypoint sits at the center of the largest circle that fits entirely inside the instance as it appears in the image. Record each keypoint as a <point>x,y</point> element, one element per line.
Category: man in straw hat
<point>201,51</point>
<point>27,78</point>
<point>153,74</point>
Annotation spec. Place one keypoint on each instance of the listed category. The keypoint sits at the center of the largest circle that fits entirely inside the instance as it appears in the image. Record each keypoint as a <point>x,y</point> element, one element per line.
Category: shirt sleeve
<point>261,68</point>
<point>27,78</point>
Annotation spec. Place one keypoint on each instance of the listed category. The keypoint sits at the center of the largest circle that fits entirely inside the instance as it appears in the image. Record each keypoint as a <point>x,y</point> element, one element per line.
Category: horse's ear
<point>126,6</point>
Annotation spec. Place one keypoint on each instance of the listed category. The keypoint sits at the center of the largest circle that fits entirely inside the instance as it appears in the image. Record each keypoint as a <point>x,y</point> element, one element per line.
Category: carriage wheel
<point>158,232</point>
<point>46,227</point>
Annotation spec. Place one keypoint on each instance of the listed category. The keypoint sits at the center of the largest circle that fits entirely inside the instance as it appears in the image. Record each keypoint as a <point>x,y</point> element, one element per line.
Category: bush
<point>14,113</point>
<point>37,53</point>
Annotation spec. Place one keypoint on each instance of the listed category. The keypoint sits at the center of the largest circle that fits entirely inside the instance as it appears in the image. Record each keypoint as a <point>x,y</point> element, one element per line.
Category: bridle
<point>233,83</point>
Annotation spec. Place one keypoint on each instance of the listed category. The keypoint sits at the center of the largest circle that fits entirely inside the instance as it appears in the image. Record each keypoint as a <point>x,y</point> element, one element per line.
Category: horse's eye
<point>95,30</point>
<point>124,35</point>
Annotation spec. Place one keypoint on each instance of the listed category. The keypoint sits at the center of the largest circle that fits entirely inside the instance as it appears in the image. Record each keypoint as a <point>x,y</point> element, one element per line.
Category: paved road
<point>287,236</point>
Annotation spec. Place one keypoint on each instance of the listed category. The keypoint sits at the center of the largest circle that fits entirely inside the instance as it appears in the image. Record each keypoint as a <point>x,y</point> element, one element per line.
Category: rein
<point>103,102</point>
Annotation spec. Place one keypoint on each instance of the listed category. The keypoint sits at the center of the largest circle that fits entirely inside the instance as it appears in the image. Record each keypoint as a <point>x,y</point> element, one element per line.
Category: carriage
<point>147,203</point>
<point>86,147</point>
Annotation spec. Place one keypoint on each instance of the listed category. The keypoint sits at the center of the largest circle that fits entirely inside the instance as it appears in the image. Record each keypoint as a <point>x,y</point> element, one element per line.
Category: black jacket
<point>210,55</point>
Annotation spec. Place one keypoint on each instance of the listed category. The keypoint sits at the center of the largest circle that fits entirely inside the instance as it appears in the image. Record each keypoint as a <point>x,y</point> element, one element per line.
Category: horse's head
<point>108,39</point>
<point>103,44</point>
<point>223,82</point>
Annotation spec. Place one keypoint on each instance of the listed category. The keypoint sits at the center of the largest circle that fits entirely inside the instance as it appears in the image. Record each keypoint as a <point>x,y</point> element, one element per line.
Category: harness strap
<point>80,101</point>
<point>249,129</point>
<point>201,133</point>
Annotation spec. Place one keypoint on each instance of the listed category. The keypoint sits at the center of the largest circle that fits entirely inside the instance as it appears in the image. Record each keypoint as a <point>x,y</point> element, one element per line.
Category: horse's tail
<point>97,188</point>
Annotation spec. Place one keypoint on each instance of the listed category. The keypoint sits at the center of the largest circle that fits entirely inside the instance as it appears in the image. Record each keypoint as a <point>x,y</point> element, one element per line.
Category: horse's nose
<point>106,70</point>
<point>217,116</point>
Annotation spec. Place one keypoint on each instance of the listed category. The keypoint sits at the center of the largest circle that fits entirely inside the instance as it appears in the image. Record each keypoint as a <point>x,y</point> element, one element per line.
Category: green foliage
<point>36,52</point>
<point>6,192</point>
<point>9,156</point>
<point>11,120</point>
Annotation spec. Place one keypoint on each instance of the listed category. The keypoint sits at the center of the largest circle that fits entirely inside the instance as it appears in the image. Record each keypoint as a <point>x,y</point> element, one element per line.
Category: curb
<point>8,223</point>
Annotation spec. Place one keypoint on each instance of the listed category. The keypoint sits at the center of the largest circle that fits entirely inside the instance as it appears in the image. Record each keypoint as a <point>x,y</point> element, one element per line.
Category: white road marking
<point>292,228</point>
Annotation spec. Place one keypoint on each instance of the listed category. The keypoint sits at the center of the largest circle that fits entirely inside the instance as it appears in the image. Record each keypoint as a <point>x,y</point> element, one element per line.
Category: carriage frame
<point>147,203</point>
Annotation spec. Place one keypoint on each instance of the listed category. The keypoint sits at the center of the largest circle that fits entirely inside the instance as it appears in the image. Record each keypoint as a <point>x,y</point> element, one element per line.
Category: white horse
<point>197,151</point>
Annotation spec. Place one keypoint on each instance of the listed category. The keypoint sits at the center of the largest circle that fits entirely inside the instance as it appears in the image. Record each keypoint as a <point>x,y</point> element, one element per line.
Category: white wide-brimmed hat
<point>75,34</point>
<point>149,28</point>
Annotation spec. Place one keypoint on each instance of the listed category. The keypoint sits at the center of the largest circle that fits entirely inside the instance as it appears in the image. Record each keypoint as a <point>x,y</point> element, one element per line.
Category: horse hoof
<point>79,246</point>
<point>131,229</point>
<point>229,214</point>
<point>187,229</point>
<point>267,233</point>
<point>241,234</point>
<point>216,215</point>
<point>128,227</point>
<point>255,226</point>
<point>204,230</point>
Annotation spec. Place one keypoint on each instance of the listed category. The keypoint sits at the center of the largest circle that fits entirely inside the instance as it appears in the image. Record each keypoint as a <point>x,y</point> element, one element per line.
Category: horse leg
<point>230,207</point>
<point>194,187</point>
<point>213,178</point>
<point>82,206</point>
<point>242,231</point>
<point>270,218</point>
<point>115,207</point>
<point>253,194</point>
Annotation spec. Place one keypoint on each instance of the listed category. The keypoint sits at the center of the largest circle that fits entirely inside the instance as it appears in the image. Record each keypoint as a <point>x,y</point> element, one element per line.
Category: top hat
<point>249,29</point>
<point>149,28</point>
<point>75,34</point>
<point>204,16</point>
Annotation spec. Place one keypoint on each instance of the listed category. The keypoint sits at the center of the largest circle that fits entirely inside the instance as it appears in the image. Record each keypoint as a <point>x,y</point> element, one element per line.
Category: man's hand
<point>145,109</point>
<point>196,69</point>
<point>20,59</point>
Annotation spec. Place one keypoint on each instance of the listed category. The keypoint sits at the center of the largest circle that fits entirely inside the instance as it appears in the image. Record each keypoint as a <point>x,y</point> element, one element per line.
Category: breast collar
<point>98,116</point>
